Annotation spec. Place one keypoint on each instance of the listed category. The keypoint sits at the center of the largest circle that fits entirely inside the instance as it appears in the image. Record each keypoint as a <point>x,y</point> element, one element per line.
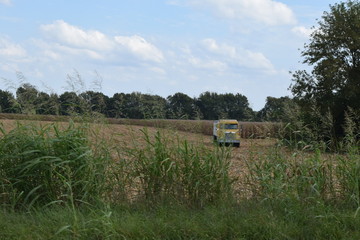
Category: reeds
<point>314,178</point>
<point>74,164</point>
<point>167,168</point>
<point>42,165</point>
<point>80,183</point>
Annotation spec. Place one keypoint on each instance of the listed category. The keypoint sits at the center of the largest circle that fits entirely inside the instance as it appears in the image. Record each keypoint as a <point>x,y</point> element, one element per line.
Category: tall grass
<point>169,169</point>
<point>42,165</point>
<point>306,178</point>
<point>73,164</point>
<point>74,182</point>
<point>321,131</point>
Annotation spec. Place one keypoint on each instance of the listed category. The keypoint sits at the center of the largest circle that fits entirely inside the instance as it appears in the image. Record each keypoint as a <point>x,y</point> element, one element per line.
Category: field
<point>127,132</point>
<point>169,181</point>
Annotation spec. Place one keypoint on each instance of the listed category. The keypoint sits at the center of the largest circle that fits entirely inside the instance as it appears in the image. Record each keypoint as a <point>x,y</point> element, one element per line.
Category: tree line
<point>208,106</point>
<point>325,106</point>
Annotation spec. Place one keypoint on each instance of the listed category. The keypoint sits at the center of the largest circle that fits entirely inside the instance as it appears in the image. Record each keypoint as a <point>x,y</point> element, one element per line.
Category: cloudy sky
<point>157,46</point>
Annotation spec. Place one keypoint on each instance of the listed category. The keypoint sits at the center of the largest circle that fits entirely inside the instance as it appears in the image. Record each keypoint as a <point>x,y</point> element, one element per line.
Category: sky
<point>157,47</point>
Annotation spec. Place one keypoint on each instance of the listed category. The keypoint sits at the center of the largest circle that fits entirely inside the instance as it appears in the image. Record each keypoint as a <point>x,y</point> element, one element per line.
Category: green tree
<point>208,103</point>
<point>334,53</point>
<point>215,106</point>
<point>133,106</point>
<point>7,101</point>
<point>180,106</point>
<point>276,109</point>
<point>94,101</point>
<point>154,106</point>
<point>116,106</point>
<point>69,103</point>
<point>47,104</point>
<point>26,96</point>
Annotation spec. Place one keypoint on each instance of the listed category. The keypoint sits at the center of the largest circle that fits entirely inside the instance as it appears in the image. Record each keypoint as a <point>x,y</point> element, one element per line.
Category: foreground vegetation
<point>249,220</point>
<point>73,180</point>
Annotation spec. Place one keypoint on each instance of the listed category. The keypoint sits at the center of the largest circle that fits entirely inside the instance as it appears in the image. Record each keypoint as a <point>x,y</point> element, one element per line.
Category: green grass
<point>248,220</point>
<point>171,169</point>
<point>71,182</point>
<point>43,165</point>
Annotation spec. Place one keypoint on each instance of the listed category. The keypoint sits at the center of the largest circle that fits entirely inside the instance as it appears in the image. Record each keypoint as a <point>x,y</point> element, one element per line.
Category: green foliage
<point>317,178</point>
<point>183,191</point>
<point>94,102</point>
<point>313,130</point>
<point>6,102</point>
<point>70,104</point>
<point>180,106</point>
<point>276,109</point>
<point>297,179</point>
<point>47,104</point>
<point>26,96</point>
<point>248,220</point>
<point>78,101</point>
<point>215,106</point>
<point>48,165</point>
<point>171,169</point>
<point>334,53</point>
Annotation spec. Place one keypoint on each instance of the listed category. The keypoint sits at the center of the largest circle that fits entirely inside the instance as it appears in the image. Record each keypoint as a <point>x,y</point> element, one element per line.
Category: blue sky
<point>158,47</point>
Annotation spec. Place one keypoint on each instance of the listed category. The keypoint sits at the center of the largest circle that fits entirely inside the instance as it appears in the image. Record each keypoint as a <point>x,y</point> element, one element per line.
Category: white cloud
<point>257,60</point>
<point>96,45</point>
<point>268,12</point>
<point>214,65</point>
<point>5,2</point>
<point>238,56</point>
<point>76,37</point>
<point>59,52</point>
<point>9,49</point>
<point>224,49</point>
<point>302,31</point>
<point>141,48</point>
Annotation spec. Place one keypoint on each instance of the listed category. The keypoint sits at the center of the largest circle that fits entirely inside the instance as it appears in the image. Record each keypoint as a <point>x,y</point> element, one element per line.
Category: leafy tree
<point>214,106</point>
<point>235,106</point>
<point>94,101</point>
<point>47,104</point>
<point>116,106</point>
<point>208,104</point>
<point>26,96</point>
<point>153,106</point>
<point>7,101</point>
<point>180,106</point>
<point>334,53</point>
<point>69,103</point>
<point>133,106</point>
<point>276,109</point>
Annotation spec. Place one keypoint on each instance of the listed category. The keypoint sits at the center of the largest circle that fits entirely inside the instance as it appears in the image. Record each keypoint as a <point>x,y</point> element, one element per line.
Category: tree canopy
<point>136,105</point>
<point>333,52</point>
